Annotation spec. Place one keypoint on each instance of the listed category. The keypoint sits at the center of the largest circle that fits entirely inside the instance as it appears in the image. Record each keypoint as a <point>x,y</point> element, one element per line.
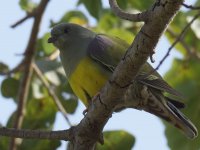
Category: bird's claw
<point>94,97</point>
<point>85,111</point>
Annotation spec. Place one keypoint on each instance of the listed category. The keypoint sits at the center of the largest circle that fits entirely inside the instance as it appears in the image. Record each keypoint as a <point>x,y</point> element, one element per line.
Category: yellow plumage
<point>84,79</point>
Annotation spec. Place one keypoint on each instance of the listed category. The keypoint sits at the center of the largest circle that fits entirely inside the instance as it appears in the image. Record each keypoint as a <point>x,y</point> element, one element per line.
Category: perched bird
<point>89,59</point>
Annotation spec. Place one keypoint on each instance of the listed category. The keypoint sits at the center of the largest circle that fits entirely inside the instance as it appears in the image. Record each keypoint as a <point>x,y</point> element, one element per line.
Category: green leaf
<point>53,71</point>
<point>37,88</point>
<point>197,3</point>
<point>27,5</point>
<point>195,27</point>
<point>46,65</point>
<point>122,3</point>
<point>3,68</point>
<point>187,82</point>
<point>77,17</point>
<point>94,7</point>
<point>40,114</point>
<point>70,104</point>
<point>43,47</point>
<point>39,49</point>
<point>47,48</point>
<point>111,25</point>
<point>4,142</point>
<point>117,140</point>
<point>28,144</point>
<point>140,5</point>
<point>56,76</point>
<point>9,87</point>
<point>122,33</point>
<point>67,97</point>
<point>108,20</point>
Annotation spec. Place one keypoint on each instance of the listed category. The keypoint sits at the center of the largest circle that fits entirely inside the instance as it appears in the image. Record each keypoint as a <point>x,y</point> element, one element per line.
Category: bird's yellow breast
<point>87,79</point>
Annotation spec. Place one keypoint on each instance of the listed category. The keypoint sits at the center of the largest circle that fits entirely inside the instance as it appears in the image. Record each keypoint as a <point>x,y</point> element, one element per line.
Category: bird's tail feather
<point>162,107</point>
<point>176,103</point>
<point>184,123</point>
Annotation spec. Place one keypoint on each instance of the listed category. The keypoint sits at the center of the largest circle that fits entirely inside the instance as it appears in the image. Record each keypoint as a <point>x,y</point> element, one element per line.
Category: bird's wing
<point>158,83</point>
<point>107,51</point>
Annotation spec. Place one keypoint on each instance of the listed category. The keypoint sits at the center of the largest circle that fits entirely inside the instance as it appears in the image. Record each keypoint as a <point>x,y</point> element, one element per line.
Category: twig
<point>22,98</point>
<point>25,82</point>
<point>51,93</point>
<point>191,7</point>
<point>179,37</point>
<point>191,52</point>
<point>54,55</point>
<point>19,67</point>
<point>29,15</point>
<point>139,17</point>
<point>37,134</point>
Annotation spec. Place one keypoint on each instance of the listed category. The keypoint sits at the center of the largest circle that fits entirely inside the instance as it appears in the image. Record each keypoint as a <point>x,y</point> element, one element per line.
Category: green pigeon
<point>89,60</point>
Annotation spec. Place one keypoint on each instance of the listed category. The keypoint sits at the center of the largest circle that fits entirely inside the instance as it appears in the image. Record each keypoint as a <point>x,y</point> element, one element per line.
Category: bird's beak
<point>52,39</point>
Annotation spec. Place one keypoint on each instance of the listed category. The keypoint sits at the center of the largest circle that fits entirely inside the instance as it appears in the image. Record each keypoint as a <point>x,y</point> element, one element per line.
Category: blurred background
<point>137,129</point>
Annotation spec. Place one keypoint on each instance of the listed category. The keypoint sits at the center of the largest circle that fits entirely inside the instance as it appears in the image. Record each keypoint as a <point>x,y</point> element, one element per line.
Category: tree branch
<point>127,16</point>
<point>54,55</point>
<point>191,52</point>
<point>178,39</point>
<point>29,15</point>
<point>191,7</point>
<point>25,82</point>
<point>51,93</point>
<point>20,66</point>
<point>37,134</point>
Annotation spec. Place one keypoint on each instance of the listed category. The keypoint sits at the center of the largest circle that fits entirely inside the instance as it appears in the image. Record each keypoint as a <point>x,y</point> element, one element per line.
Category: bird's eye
<point>66,30</point>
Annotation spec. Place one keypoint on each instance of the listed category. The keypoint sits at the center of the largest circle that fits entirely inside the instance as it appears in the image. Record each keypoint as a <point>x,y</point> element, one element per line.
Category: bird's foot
<point>85,111</point>
<point>151,56</point>
<point>96,96</point>
<point>92,100</point>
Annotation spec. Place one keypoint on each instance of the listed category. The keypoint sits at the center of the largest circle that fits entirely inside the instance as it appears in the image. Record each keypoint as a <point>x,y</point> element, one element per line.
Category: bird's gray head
<point>68,34</point>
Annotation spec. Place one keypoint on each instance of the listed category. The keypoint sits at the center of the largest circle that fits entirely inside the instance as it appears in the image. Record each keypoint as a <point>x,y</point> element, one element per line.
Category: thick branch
<point>25,82</point>
<point>37,134</point>
<point>127,16</point>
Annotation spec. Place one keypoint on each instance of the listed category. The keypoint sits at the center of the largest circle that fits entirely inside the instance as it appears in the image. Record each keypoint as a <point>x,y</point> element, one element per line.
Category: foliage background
<point>147,129</point>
